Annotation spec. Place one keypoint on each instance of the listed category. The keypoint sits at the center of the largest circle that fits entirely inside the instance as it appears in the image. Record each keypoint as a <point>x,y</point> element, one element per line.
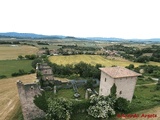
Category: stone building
<point>26,94</point>
<point>44,73</point>
<point>124,79</point>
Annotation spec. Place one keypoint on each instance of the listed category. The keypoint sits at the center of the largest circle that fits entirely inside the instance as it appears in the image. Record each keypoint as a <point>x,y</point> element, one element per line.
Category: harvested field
<point>8,52</point>
<point>94,59</point>
<point>9,99</point>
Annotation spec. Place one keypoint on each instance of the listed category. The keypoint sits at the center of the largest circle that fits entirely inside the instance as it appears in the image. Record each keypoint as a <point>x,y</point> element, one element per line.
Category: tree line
<point>136,54</point>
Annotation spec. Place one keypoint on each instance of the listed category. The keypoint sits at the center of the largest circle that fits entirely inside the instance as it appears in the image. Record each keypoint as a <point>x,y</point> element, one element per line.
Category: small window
<point>101,89</point>
<point>120,92</point>
<point>105,79</point>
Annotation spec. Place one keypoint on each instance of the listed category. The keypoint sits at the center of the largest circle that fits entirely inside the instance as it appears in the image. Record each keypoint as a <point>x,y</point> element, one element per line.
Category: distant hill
<point>39,36</point>
<point>29,35</point>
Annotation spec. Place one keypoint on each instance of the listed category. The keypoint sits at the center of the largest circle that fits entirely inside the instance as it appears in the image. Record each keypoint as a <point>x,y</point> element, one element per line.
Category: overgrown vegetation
<point>81,69</point>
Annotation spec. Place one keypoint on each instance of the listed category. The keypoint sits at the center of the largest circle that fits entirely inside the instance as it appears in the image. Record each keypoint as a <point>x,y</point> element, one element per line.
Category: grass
<point>7,67</point>
<point>94,59</point>
<point>9,99</point>
<point>8,52</point>
<point>141,81</point>
<point>68,93</point>
<point>142,104</point>
<point>146,97</point>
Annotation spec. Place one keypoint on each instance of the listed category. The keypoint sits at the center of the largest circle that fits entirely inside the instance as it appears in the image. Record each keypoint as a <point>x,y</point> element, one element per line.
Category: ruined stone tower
<point>26,95</point>
<point>44,74</point>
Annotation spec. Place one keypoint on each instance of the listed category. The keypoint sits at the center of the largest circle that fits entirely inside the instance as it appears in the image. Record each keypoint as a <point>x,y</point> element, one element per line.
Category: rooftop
<point>119,72</point>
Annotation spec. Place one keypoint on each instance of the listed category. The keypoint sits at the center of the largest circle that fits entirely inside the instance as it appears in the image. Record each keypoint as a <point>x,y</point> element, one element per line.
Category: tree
<point>101,106</point>
<point>131,66</point>
<point>113,90</point>
<point>35,61</point>
<point>20,57</point>
<point>59,109</point>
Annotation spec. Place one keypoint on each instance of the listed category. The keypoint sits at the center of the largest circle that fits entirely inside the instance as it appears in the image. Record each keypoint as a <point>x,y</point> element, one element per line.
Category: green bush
<point>122,105</point>
<point>41,101</point>
<point>80,106</point>
<point>2,76</point>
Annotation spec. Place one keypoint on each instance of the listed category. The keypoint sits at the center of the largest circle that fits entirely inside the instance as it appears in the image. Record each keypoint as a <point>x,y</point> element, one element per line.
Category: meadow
<point>7,67</point>
<point>94,59</point>
<point>9,52</point>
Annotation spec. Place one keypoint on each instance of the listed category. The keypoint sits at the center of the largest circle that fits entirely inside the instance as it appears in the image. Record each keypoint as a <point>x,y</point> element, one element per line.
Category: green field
<point>7,67</point>
<point>93,59</point>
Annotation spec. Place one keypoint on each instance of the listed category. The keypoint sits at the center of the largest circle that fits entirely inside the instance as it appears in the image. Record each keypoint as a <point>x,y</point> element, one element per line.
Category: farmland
<point>10,105</point>
<point>9,102</point>
<point>8,52</point>
<point>7,67</point>
<point>94,59</point>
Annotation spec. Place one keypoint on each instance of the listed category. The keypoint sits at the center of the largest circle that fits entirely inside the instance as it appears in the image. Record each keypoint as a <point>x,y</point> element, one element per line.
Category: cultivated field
<point>7,67</point>
<point>8,52</point>
<point>93,59</point>
<point>9,99</point>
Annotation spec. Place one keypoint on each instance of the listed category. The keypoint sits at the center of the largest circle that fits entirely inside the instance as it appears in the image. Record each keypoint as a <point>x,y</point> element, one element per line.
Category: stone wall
<point>26,95</point>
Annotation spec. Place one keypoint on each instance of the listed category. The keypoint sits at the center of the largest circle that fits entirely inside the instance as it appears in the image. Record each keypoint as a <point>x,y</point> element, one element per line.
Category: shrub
<point>59,109</point>
<point>122,105</point>
<point>80,106</point>
<point>101,107</point>
<point>41,101</point>
<point>2,76</point>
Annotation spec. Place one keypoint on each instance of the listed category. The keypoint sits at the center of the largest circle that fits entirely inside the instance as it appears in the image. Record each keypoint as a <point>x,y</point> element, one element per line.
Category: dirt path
<point>9,98</point>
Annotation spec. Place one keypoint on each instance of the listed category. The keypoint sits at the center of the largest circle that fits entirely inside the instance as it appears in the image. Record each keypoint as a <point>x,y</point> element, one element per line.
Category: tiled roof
<point>119,72</point>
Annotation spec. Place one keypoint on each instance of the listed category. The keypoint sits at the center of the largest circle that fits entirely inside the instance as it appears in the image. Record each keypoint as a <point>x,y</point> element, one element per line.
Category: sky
<point>82,18</point>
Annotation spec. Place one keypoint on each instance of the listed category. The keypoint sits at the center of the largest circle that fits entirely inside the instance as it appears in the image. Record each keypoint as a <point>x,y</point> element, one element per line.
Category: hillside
<point>40,36</point>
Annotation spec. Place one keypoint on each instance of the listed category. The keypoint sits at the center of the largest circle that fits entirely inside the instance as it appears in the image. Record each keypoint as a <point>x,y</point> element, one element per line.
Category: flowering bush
<point>101,106</point>
<point>59,109</point>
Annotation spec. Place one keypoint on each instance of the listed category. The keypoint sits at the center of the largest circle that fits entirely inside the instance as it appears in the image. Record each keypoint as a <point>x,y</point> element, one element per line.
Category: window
<point>105,79</point>
<point>120,92</point>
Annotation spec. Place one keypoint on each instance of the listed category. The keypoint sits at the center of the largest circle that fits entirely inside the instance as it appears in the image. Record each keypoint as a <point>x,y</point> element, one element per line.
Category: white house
<point>124,79</point>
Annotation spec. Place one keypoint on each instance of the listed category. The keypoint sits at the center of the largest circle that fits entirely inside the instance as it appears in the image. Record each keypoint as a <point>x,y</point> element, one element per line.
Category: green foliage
<point>80,69</point>
<point>113,90</point>
<point>122,105</point>
<point>20,57</point>
<point>2,76</point>
<point>19,73</point>
<point>35,61</point>
<point>41,101</point>
<point>143,59</point>
<point>131,67</point>
<point>89,84</point>
<point>30,57</point>
<point>80,106</point>
<point>151,70</point>
<point>101,106</point>
<point>59,109</point>
<point>158,85</point>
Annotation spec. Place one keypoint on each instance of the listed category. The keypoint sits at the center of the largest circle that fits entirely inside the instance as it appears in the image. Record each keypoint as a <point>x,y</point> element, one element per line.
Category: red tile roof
<point>119,72</point>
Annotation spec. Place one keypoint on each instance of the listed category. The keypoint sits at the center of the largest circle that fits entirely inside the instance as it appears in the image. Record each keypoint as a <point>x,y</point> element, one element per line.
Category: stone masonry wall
<point>26,95</point>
